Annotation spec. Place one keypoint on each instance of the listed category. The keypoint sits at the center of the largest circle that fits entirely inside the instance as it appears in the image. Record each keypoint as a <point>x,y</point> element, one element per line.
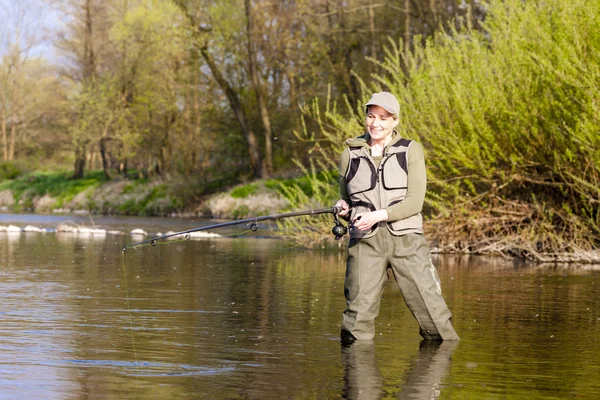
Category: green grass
<point>8,170</point>
<point>304,183</point>
<point>55,184</point>
<point>242,192</point>
<point>148,200</point>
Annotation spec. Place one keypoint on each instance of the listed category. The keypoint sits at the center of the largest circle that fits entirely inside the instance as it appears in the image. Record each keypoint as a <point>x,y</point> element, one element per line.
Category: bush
<point>242,192</point>
<point>510,120</point>
<point>58,185</point>
<point>8,171</point>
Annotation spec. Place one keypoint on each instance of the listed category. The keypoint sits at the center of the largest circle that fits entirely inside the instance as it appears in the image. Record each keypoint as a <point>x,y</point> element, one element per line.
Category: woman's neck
<point>377,147</point>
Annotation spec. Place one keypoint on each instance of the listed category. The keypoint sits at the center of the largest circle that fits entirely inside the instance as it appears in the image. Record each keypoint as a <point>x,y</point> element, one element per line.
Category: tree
<point>201,37</point>
<point>267,166</point>
<point>29,91</point>
<point>85,45</point>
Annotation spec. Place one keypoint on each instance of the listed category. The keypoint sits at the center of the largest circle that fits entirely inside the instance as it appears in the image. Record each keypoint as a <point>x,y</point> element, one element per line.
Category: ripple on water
<point>149,369</point>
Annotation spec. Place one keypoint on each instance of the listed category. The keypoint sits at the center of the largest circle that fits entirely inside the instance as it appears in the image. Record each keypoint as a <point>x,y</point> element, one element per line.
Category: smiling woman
<point>382,187</point>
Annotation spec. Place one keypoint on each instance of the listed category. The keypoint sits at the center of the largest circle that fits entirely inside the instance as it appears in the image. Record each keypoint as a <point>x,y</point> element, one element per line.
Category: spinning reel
<point>339,229</point>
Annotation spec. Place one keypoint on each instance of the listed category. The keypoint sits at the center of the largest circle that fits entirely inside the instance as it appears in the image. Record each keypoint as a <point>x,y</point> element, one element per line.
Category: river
<point>249,317</point>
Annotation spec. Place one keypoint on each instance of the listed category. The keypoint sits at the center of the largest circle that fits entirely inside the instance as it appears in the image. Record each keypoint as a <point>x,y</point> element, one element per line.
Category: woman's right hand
<point>343,207</point>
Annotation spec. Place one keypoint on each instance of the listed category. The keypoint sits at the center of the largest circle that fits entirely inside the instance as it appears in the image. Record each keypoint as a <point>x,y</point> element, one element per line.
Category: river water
<point>248,317</point>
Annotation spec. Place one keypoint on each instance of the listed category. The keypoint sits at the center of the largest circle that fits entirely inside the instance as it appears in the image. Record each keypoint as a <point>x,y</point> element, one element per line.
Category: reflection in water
<point>362,379</point>
<point>147,369</point>
<point>423,379</point>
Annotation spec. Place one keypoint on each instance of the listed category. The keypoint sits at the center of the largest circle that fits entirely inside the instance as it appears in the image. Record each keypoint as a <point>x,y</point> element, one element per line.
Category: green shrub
<point>130,188</point>
<point>8,171</point>
<point>56,184</point>
<point>510,121</point>
<point>241,212</point>
<point>242,192</point>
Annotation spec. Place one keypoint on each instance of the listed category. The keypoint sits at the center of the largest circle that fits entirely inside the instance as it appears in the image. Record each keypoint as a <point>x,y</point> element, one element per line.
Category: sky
<point>35,20</point>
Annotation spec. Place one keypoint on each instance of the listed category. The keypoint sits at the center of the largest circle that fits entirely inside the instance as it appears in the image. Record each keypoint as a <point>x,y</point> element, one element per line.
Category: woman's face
<point>380,124</point>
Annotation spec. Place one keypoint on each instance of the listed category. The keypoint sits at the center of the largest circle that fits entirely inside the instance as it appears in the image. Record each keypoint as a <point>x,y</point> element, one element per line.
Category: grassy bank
<point>47,192</point>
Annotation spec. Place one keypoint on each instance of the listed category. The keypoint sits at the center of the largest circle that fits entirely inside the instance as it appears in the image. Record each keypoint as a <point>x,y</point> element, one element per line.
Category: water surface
<point>252,318</point>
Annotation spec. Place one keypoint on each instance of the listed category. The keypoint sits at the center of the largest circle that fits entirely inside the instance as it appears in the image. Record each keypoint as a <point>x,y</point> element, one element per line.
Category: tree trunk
<point>11,146</point>
<point>238,110</point>
<point>164,160</point>
<point>373,43</point>
<point>89,72</point>
<point>123,168</point>
<point>4,137</point>
<point>232,96</point>
<point>104,154</point>
<point>79,165</point>
<point>89,59</point>
<point>407,38</point>
<point>340,54</point>
<point>434,14</point>
<point>264,111</point>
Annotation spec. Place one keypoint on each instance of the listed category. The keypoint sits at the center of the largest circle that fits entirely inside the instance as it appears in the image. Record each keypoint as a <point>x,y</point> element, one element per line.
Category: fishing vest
<point>372,188</point>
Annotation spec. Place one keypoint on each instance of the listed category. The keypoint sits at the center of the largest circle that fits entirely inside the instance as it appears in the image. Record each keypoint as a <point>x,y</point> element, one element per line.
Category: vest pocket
<point>361,176</point>
<point>395,172</point>
<point>412,223</point>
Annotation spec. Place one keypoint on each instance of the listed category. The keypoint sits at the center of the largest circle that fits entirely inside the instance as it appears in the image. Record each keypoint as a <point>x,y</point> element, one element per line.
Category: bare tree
<point>200,35</point>
<point>267,167</point>
<point>24,78</point>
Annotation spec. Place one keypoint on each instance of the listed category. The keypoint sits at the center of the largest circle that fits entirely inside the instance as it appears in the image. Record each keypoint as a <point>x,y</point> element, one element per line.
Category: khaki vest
<point>373,189</point>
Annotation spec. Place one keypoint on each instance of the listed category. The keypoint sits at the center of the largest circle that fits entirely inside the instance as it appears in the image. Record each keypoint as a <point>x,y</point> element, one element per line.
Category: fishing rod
<point>338,230</point>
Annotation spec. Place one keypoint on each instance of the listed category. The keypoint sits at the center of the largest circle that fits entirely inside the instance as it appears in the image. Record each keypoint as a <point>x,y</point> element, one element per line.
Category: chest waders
<point>399,245</point>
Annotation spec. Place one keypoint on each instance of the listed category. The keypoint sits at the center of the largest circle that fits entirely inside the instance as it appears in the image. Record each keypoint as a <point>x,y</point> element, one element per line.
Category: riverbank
<point>55,192</point>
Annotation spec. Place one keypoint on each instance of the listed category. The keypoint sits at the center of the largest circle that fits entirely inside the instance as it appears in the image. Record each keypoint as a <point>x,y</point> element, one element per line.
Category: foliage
<point>138,197</point>
<point>310,231</point>
<point>31,104</point>
<point>241,192</point>
<point>8,171</point>
<point>27,187</point>
<point>509,118</point>
<point>132,86</point>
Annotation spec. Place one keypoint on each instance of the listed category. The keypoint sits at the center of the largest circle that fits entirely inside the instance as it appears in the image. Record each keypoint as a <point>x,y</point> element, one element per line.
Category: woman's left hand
<point>365,221</point>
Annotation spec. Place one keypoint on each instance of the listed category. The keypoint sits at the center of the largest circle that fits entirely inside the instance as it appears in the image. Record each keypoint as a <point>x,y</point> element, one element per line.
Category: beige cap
<point>385,100</point>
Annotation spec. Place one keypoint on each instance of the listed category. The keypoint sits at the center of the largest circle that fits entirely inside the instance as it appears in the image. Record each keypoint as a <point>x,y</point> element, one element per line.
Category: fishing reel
<point>339,229</point>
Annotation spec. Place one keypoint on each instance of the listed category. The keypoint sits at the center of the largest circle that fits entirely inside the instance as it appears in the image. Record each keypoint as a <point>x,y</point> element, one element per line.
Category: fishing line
<point>338,231</point>
<point>127,291</point>
<point>129,313</point>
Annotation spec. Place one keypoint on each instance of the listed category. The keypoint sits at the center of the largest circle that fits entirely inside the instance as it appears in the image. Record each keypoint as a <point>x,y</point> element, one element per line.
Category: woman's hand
<point>343,208</point>
<point>365,221</point>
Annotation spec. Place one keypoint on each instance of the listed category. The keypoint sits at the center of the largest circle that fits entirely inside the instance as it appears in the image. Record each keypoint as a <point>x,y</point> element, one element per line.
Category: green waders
<point>366,276</point>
